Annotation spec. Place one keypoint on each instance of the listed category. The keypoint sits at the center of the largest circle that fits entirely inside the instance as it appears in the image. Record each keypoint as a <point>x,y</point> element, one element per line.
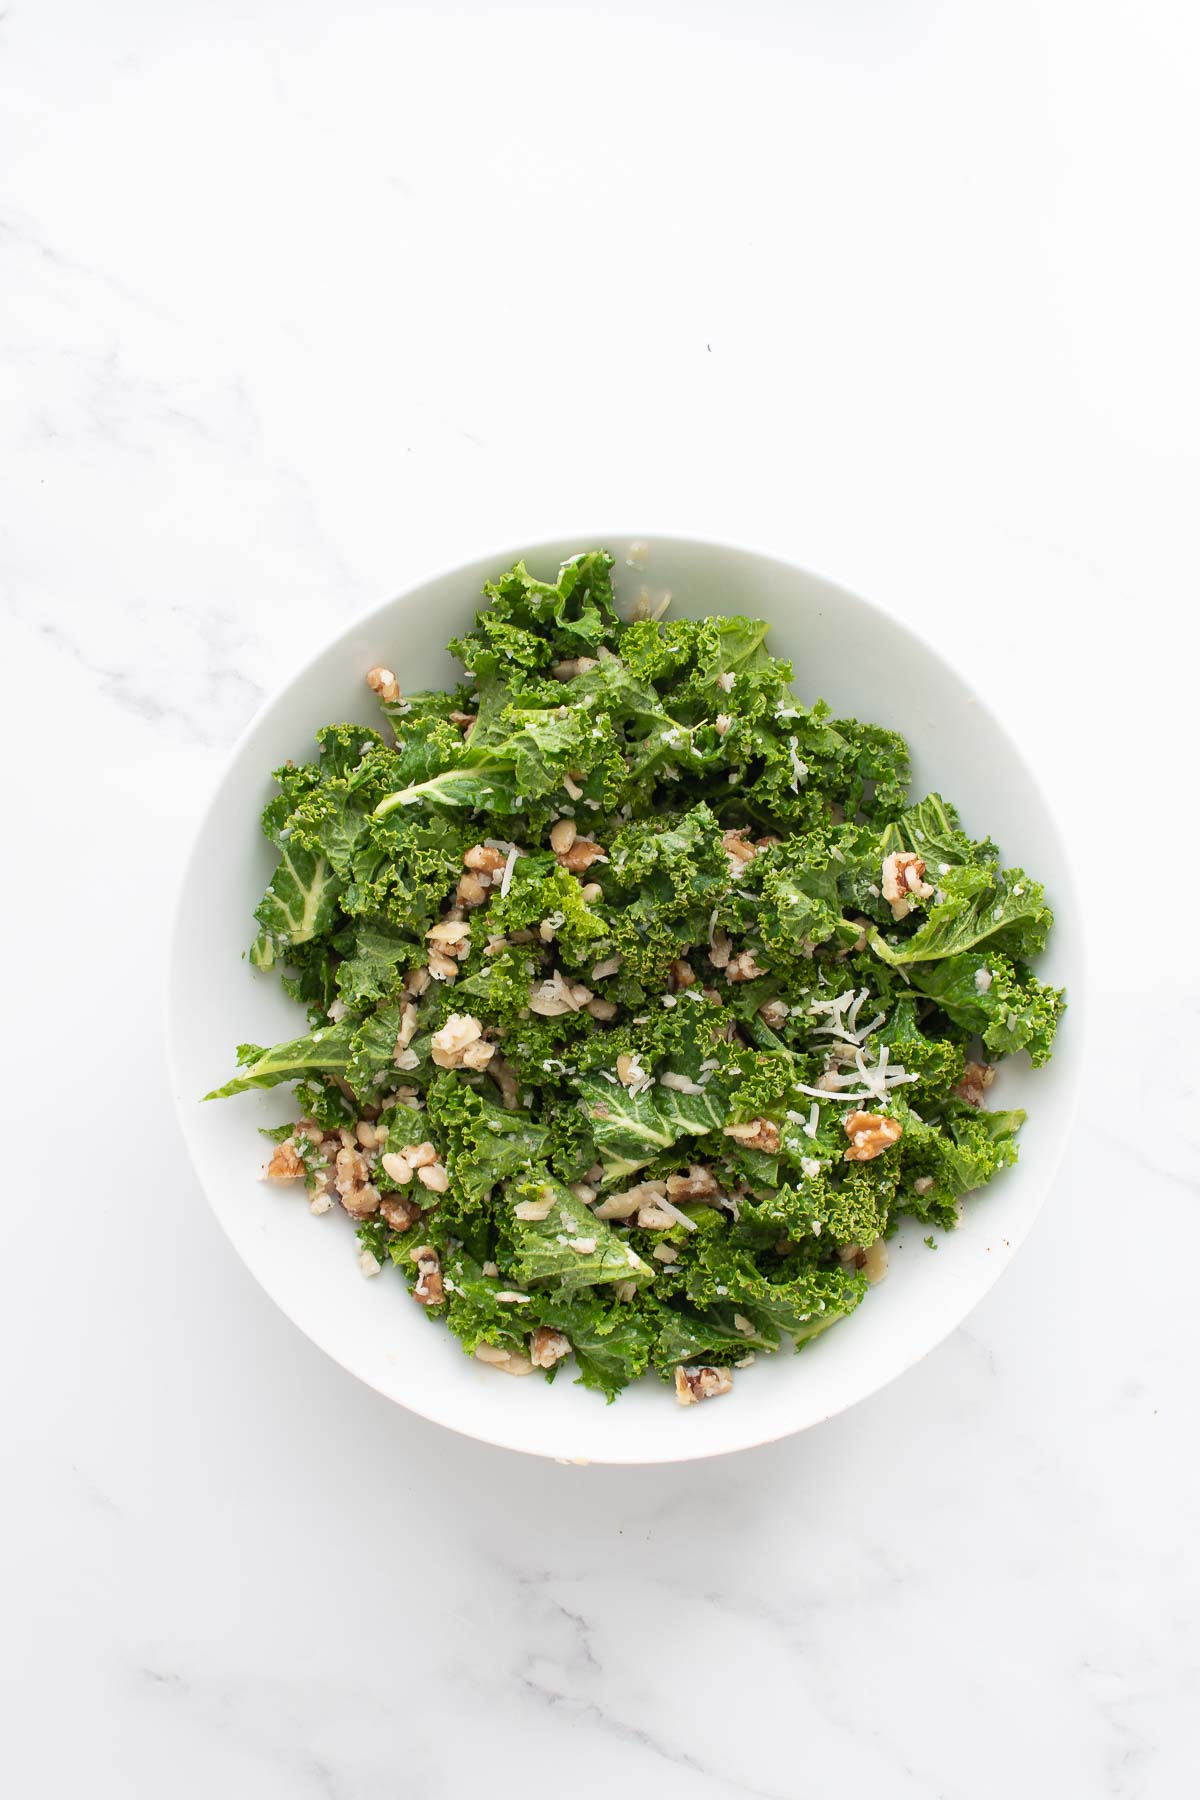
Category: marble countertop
<point>302,303</point>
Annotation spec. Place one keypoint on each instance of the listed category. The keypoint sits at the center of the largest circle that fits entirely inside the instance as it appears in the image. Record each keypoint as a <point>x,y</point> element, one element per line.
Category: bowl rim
<point>1067,899</point>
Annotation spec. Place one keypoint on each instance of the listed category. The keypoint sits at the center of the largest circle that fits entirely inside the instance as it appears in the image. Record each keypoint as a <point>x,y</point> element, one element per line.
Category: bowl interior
<point>865,664</point>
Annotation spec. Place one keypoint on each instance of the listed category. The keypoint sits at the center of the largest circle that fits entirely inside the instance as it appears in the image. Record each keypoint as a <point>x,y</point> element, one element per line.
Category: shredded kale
<point>602,975</point>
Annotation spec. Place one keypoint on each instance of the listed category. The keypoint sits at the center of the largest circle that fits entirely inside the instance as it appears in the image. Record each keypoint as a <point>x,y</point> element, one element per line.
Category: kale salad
<point>643,1002</point>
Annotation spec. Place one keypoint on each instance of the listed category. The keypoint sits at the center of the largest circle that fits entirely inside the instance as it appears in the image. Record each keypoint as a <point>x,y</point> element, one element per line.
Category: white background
<point>300,302</point>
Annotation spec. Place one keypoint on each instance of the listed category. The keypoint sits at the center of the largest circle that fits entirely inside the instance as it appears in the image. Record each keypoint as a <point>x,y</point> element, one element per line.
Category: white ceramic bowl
<point>865,664</point>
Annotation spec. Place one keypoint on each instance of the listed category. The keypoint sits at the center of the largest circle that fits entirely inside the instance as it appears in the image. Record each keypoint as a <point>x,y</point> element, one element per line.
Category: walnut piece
<point>756,1134</point>
<point>285,1165</point>
<point>572,666</point>
<point>383,682</point>
<point>698,1184</point>
<point>870,1135</point>
<point>738,851</point>
<point>399,1211</point>
<point>902,881</point>
<point>482,857</point>
<point>871,1261</point>
<point>743,967</point>
<point>977,1078</point>
<point>694,1384</point>
<point>459,1044</point>
<point>546,1347</point>
<point>624,1205</point>
<point>581,855</point>
<point>470,890</point>
<point>428,1289</point>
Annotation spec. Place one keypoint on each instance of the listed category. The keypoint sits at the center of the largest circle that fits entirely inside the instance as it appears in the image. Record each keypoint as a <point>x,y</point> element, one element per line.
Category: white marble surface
<point>302,302</point>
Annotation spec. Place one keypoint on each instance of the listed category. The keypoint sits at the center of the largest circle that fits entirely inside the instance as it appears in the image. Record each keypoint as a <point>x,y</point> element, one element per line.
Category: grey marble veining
<point>295,308</point>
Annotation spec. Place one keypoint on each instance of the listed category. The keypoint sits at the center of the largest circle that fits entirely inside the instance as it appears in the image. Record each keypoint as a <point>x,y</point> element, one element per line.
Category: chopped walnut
<point>429,1289</point>
<point>463,720</point>
<point>482,857</point>
<point>361,1202</point>
<point>870,1135</point>
<point>743,967</point>
<point>582,854</point>
<point>719,948</point>
<point>399,1211</point>
<point>977,1078</point>
<point>397,1167</point>
<point>452,936</point>
<point>416,981</point>
<point>350,1169</point>
<point>470,890</point>
<point>774,1014</point>
<point>700,1384</point>
<point>442,968</point>
<point>407,1031</point>
<point>655,1218</point>
<point>556,996</point>
<point>871,1261</point>
<point>546,1347</point>
<point>738,851</point>
<point>902,881</point>
<point>682,974</point>
<point>459,1044</point>
<point>756,1134</point>
<point>285,1165</point>
<point>624,1205</point>
<point>698,1184</point>
<point>383,682</point>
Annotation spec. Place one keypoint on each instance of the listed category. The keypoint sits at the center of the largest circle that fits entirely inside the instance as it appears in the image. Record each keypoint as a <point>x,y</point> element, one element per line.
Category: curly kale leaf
<point>986,994</point>
<point>570,1248</point>
<point>1006,911</point>
<point>301,899</point>
<point>374,967</point>
<point>483,1143</point>
<point>327,1049</point>
<point>530,623</point>
<point>631,1129</point>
